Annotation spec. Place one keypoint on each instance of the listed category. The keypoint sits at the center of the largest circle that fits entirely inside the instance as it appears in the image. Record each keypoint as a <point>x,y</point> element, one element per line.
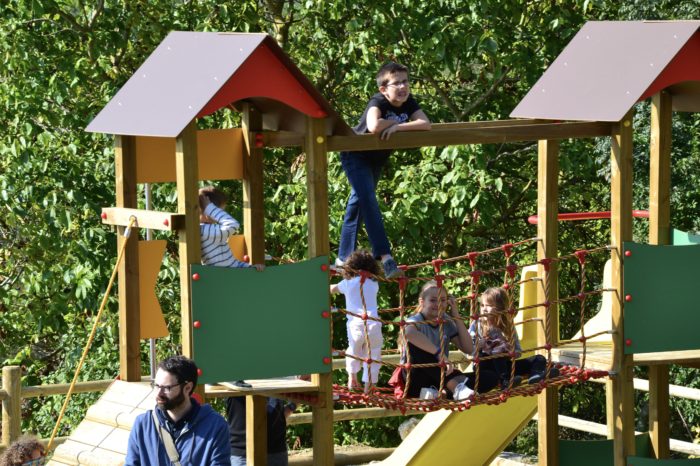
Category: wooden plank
<point>253,195</point>
<point>492,135</point>
<point>256,430</point>
<point>220,156</point>
<point>660,233</point>
<point>188,240</point>
<point>622,396</point>
<point>12,405</point>
<point>163,221</point>
<point>547,247</point>
<point>128,271</point>
<point>35,391</point>
<point>317,184</point>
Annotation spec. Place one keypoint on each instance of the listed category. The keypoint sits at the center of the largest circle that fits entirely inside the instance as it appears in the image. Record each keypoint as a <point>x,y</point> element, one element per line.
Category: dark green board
<point>664,311</point>
<point>637,461</point>
<point>682,238</point>
<point>261,324</point>
<point>595,452</point>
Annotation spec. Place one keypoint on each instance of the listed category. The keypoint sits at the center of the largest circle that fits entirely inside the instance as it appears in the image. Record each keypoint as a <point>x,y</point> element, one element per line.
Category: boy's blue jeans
<point>363,170</point>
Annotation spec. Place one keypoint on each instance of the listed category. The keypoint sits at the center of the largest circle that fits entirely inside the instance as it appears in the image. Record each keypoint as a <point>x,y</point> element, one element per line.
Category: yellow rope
<point>132,220</point>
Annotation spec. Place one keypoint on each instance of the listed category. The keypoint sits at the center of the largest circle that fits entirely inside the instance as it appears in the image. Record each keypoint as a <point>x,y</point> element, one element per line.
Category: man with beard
<point>180,432</point>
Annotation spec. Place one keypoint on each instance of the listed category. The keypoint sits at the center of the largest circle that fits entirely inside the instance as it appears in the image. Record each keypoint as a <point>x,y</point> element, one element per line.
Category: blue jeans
<point>363,170</point>
<point>273,459</point>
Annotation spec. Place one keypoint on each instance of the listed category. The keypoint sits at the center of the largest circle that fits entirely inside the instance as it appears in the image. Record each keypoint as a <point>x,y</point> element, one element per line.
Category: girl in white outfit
<point>356,286</point>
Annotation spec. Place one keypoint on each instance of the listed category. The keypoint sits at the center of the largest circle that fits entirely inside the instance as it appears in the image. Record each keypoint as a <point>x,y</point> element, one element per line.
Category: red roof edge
<point>685,66</point>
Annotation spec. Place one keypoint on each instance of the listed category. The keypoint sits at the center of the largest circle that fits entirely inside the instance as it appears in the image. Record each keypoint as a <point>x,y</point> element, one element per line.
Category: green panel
<point>664,311</point>
<point>682,238</point>
<point>595,452</point>
<point>637,461</point>
<point>261,324</point>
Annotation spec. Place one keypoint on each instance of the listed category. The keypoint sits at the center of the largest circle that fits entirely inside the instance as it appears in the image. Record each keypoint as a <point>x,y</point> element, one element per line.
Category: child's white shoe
<point>462,392</point>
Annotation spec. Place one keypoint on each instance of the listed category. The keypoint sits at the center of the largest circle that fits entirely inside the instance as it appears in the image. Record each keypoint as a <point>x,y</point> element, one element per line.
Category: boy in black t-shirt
<point>392,109</point>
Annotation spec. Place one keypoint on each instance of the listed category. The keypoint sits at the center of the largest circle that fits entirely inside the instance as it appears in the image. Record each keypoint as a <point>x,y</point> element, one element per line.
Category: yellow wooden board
<point>219,154</point>
<point>150,258</point>
<point>237,245</point>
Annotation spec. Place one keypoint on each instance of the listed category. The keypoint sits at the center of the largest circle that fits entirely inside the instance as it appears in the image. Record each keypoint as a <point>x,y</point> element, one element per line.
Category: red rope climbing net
<point>464,272</point>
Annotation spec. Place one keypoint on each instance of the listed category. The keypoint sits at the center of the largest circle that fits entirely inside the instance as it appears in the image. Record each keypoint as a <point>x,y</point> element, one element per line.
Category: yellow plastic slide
<point>474,437</point>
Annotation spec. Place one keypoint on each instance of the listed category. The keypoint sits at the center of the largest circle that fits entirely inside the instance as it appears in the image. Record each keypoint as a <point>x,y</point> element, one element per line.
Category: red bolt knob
<point>259,144</point>
<point>196,324</point>
<point>166,222</point>
<point>325,314</point>
<point>326,360</point>
<point>628,342</point>
<point>506,286</point>
<point>199,372</point>
<point>195,276</point>
<point>259,136</point>
<point>628,298</point>
<point>324,267</point>
<point>628,253</point>
<point>104,215</point>
<point>246,258</point>
<point>548,346</point>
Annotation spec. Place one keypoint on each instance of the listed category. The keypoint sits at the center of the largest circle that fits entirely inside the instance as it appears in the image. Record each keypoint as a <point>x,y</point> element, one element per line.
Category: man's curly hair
<point>20,451</point>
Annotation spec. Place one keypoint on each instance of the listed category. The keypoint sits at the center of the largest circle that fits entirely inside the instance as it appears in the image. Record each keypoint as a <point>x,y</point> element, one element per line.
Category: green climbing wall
<point>637,461</point>
<point>662,308</point>
<point>260,324</point>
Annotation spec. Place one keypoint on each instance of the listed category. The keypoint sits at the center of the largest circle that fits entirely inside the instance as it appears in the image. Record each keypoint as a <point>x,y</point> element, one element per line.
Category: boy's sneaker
<point>391,270</point>
<point>539,376</point>
<point>462,392</point>
<point>241,384</point>
<point>337,264</point>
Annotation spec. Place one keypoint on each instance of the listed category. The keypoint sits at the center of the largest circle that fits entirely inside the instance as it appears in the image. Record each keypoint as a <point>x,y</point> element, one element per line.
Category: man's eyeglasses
<point>36,462</point>
<point>166,388</point>
<point>403,83</point>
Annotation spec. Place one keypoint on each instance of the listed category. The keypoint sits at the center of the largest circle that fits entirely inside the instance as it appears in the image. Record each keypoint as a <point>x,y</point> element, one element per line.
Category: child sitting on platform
<point>428,342</point>
<point>360,292</point>
<point>216,226</point>
<point>493,335</point>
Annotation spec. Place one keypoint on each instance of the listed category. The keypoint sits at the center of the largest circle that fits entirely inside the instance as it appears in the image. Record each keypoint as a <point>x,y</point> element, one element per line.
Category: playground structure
<point>157,134</point>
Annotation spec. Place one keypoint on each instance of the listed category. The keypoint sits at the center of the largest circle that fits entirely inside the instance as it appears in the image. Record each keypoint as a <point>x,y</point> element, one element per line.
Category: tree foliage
<point>64,59</point>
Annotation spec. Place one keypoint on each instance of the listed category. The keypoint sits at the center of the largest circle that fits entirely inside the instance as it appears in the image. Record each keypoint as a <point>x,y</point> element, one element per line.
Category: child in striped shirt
<point>216,227</point>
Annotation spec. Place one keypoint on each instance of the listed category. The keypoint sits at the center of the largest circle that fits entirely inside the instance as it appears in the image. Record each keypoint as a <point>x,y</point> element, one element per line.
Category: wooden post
<point>128,271</point>
<point>12,405</point>
<point>621,230</point>
<point>319,245</point>
<point>188,239</point>
<point>256,430</point>
<point>253,195</point>
<point>254,231</point>
<point>547,231</point>
<point>660,233</point>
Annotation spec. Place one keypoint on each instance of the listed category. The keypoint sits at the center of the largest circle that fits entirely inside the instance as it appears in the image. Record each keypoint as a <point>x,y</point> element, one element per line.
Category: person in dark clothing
<point>277,413</point>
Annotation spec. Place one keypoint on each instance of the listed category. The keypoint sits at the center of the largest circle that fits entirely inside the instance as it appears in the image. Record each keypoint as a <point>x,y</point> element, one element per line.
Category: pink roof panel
<point>605,69</point>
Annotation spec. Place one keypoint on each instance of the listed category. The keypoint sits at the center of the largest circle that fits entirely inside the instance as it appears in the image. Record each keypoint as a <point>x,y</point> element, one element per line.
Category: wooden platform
<point>264,387</point>
<point>599,356</point>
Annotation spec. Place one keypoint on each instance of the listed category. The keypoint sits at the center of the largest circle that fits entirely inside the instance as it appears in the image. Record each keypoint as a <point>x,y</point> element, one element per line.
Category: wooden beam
<point>317,187</point>
<point>471,135</point>
<point>164,221</point>
<point>622,397</point>
<point>253,195</point>
<point>128,270</point>
<point>189,237</point>
<point>319,245</point>
<point>256,430</point>
<point>660,233</point>
<point>547,247</point>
